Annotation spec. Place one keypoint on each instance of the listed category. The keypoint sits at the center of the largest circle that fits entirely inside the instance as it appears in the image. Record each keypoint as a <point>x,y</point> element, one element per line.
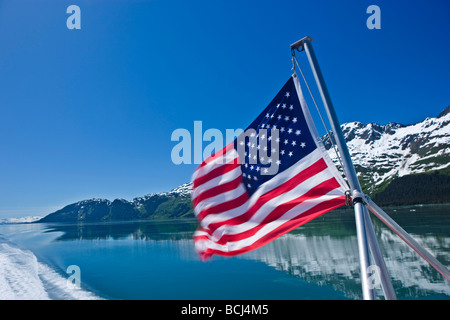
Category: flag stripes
<point>206,248</point>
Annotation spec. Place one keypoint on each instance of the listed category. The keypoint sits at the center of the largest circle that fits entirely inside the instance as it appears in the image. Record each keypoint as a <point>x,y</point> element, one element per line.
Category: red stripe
<point>302,176</point>
<point>227,167</point>
<point>225,206</point>
<point>301,219</point>
<point>209,193</point>
<point>216,155</point>
<point>276,214</point>
<point>200,236</point>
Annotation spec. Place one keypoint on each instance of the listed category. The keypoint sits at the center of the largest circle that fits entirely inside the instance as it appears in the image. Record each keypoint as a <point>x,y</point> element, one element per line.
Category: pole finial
<point>299,43</point>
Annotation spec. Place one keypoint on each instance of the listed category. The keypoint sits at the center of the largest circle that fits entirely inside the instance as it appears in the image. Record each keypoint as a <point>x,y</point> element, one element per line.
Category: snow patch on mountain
<point>184,189</point>
<point>381,152</point>
<point>29,219</point>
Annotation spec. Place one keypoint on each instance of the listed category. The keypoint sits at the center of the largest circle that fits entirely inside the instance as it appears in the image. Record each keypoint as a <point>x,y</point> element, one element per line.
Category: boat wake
<point>23,277</point>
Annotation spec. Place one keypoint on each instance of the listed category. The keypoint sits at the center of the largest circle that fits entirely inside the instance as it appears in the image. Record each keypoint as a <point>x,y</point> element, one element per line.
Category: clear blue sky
<point>89,113</point>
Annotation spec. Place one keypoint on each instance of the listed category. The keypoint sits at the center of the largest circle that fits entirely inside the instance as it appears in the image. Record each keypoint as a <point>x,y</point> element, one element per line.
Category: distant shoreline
<point>37,219</point>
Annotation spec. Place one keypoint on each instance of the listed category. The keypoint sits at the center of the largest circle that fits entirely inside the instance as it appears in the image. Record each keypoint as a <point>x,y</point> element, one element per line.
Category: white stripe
<point>226,215</point>
<point>227,177</point>
<point>200,233</point>
<point>219,161</point>
<point>220,198</point>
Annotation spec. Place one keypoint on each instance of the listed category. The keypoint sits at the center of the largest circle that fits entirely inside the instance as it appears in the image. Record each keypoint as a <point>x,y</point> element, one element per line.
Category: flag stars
<point>285,117</point>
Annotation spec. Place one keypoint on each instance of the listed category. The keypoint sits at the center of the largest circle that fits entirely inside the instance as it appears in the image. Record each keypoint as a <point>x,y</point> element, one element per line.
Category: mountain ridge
<point>381,153</point>
<point>173,204</point>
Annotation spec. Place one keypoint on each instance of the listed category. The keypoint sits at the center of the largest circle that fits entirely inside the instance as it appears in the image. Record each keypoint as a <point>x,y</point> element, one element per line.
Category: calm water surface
<point>156,259</point>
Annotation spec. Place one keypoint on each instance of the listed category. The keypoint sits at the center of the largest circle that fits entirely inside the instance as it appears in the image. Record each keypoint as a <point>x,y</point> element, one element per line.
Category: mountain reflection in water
<point>323,251</point>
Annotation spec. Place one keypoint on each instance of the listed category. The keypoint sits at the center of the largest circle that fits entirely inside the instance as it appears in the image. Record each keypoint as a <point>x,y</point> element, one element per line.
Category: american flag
<point>244,198</point>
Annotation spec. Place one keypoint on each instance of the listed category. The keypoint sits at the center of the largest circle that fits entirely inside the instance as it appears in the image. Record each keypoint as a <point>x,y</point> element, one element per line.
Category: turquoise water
<point>156,260</point>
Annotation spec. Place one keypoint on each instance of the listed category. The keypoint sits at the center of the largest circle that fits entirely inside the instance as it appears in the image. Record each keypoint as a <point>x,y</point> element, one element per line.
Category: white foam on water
<point>23,277</point>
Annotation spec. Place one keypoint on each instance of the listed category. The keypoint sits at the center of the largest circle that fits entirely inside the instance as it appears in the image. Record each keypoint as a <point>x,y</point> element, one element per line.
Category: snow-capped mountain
<point>183,190</point>
<point>28,219</point>
<point>173,204</point>
<point>383,152</point>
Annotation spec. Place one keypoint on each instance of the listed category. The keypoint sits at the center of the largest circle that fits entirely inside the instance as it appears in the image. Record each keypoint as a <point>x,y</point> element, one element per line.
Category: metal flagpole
<point>357,195</point>
<point>386,283</point>
<point>383,216</point>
